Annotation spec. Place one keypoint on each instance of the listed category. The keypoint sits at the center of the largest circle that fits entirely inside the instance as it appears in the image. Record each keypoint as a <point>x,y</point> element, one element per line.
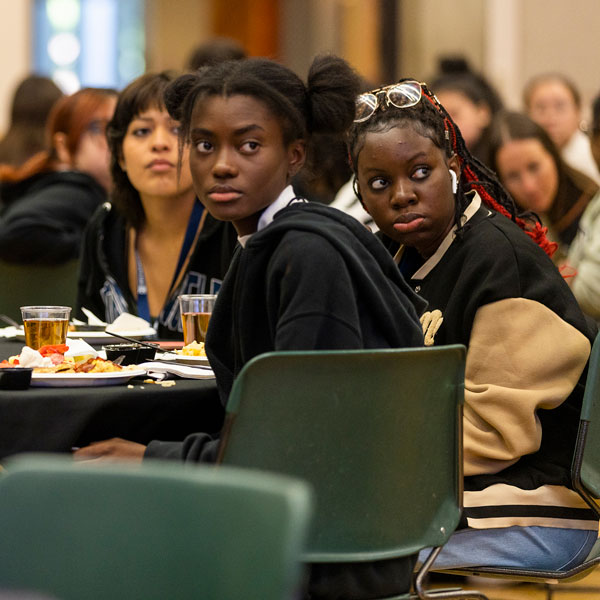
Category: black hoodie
<point>44,216</point>
<point>314,279</point>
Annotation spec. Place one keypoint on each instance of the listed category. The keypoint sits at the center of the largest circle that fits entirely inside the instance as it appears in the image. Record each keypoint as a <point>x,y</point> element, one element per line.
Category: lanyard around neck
<point>143,308</point>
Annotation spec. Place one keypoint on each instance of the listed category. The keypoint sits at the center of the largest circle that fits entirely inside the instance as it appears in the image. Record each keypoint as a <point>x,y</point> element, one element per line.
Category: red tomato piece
<point>53,349</point>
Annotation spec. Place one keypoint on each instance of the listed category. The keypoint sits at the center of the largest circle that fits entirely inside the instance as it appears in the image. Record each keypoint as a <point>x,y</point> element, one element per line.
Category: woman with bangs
<point>48,201</point>
<point>154,241</point>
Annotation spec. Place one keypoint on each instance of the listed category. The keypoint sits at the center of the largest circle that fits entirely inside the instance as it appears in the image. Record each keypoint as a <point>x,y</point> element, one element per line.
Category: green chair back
<point>588,478</point>
<point>24,285</point>
<point>375,432</point>
<point>155,532</point>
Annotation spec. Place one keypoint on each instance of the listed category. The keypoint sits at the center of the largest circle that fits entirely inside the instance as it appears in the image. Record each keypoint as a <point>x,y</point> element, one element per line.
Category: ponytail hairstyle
<point>324,105</point>
<point>431,120</point>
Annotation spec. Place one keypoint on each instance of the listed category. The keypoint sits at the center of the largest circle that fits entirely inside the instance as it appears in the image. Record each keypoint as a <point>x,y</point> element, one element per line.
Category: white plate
<point>184,359</point>
<point>84,379</point>
<point>103,337</point>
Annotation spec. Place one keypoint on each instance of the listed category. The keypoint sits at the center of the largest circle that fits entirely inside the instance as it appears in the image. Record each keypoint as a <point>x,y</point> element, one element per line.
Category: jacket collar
<point>433,260</point>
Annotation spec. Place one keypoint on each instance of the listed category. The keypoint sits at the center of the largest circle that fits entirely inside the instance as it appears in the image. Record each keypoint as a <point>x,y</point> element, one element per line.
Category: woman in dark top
<point>532,170</point>
<point>155,241</point>
<point>47,202</point>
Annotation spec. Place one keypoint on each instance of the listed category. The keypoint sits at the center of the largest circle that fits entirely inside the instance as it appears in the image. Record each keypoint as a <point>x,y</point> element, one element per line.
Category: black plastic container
<point>15,378</point>
<point>133,353</point>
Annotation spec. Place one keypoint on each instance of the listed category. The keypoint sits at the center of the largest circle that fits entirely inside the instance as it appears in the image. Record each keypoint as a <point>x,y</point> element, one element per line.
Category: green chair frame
<point>25,285</point>
<point>158,531</point>
<point>585,475</point>
<point>376,433</point>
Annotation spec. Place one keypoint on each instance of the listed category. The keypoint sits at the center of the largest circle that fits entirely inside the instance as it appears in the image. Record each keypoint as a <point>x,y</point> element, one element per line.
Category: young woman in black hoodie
<point>305,277</point>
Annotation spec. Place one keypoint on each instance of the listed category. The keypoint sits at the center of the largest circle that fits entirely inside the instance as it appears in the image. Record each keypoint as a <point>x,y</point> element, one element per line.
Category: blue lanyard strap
<point>188,240</point>
<point>143,308</point>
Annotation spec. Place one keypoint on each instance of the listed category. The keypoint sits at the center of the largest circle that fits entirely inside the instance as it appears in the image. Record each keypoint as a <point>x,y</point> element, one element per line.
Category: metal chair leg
<point>442,594</point>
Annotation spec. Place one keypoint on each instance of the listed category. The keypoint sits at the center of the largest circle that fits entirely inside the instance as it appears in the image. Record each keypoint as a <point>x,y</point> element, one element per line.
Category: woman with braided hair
<point>491,285</point>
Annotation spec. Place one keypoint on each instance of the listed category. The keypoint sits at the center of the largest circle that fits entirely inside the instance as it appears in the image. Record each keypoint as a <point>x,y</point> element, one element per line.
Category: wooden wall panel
<point>254,23</point>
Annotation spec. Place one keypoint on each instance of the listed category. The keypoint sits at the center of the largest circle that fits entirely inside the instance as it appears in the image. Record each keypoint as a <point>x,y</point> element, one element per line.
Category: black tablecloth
<point>57,419</point>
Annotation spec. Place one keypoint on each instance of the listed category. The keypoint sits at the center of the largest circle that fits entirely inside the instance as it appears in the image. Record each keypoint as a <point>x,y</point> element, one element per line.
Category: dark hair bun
<point>332,87</point>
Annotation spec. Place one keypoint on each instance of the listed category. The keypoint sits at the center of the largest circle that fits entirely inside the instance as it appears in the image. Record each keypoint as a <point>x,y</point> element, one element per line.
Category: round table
<point>42,419</point>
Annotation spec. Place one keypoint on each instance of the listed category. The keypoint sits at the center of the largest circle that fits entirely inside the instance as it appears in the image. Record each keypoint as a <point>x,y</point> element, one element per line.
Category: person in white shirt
<point>553,101</point>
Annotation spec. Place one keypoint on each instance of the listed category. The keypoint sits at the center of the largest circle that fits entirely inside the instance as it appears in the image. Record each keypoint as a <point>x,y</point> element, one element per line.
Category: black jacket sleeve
<point>197,447</point>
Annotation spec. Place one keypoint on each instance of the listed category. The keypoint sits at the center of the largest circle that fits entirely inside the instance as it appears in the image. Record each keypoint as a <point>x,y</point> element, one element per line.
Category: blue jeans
<point>542,548</point>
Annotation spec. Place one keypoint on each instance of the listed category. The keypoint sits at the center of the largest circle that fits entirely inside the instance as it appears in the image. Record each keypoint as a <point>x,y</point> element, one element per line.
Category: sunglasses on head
<point>401,95</point>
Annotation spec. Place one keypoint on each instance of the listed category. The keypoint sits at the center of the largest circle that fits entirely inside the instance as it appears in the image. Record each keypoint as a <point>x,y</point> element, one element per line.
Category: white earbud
<point>454,181</point>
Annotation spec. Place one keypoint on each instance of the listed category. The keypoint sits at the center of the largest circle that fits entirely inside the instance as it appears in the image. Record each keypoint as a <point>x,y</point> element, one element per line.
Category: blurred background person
<point>553,101</point>
<point>31,103</point>
<point>329,175</point>
<point>213,52</point>
<point>327,170</point>
<point>47,202</point>
<point>155,241</point>
<point>532,170</point>
<point>471,101</point>
<point>584,253</point>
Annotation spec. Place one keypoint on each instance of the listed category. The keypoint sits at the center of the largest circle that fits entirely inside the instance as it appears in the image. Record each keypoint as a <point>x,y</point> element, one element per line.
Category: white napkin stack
<point>160,371</point>
<point>128,322</point>
<point>80,349</point>
<point>124,322</point>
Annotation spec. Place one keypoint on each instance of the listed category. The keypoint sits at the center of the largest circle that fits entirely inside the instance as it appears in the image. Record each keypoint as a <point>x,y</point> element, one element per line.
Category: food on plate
<point>46,356</point>
<point>193,349</point>
<point>52,359</point>
<point>91,365</point>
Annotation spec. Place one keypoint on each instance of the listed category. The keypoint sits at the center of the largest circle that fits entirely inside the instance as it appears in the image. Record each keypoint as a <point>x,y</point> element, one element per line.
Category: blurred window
<point>98,43</point>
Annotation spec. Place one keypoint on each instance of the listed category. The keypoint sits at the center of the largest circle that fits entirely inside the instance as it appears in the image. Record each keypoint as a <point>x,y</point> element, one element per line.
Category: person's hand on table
<point>111,450</point>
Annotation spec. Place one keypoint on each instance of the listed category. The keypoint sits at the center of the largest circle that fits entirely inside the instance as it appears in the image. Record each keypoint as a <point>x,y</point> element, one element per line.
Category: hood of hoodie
<point>370,263</point>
